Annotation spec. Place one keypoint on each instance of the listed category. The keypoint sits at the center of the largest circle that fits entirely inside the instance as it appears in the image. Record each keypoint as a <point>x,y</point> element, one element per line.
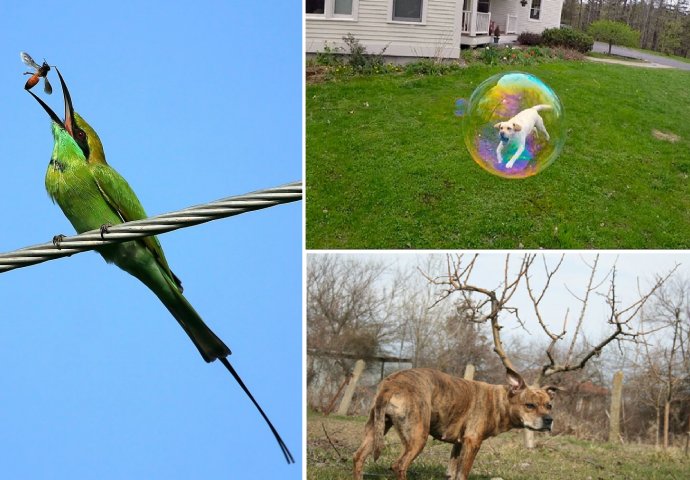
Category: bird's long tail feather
<point>233,372</point>
<point>210,346</point>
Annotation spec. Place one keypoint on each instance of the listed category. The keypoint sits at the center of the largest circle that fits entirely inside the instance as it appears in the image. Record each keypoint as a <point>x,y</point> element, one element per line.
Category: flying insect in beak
<point>41,72</point>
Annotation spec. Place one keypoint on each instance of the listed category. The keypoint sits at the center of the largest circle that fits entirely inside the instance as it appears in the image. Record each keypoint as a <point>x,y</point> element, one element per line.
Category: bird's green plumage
<point>92,194</point>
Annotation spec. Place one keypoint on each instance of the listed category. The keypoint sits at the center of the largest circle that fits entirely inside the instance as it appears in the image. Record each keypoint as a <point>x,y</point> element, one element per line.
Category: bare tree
<point>347,311</point>
<point>417,326</point>
<point>493,307</point>
<point>647,392</point>
<point>462,341</point>
<point>669,362</point>
<point>495,302</point>
<point>440,337</point>
<point>488,308</point>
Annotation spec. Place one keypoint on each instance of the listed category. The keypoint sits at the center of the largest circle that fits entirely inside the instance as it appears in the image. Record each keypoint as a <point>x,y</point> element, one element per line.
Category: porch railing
<point>481,25</point>
<point>483,20</point>
<point>466,21</point>
<point>511,24</point>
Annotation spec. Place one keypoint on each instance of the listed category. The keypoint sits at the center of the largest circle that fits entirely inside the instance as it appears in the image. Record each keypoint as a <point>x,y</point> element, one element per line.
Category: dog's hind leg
<point>375,429</point>
<point>541,128</point>
<point>363,452</point>
<point>413,439</point>
<point>412,449</point>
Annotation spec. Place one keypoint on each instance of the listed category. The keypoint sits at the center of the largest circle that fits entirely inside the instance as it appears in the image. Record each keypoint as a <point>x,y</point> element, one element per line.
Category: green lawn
<point>387,167</point>
<point>332,441</point>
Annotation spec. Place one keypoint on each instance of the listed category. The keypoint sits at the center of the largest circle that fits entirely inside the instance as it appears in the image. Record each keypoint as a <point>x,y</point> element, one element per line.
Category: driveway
<point>629,52</point>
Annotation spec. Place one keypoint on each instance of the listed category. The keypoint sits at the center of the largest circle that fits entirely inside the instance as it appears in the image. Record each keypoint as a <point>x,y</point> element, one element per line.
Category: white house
<point>423,28</point>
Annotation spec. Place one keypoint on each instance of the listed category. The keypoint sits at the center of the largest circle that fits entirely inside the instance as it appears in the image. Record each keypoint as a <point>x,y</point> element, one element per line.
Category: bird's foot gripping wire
<point>57,240</point>
<point>105,228</point>
<point>283,447</point>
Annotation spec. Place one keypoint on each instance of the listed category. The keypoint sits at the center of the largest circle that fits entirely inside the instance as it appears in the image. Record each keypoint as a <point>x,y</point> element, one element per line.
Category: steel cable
<point>166,222</point>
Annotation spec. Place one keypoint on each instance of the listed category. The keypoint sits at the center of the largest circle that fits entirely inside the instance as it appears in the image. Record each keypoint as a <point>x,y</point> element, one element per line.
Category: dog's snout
<point>547,420</point>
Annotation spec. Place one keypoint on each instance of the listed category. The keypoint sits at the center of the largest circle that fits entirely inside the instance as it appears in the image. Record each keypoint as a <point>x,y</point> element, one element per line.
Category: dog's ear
<point>517,127</point>
<point>498,125</point>
<point>552,389</point>
<point>515,381</point>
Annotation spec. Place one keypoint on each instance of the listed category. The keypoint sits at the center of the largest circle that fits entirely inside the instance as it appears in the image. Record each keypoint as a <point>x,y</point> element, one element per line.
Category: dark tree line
<point>664,25</point>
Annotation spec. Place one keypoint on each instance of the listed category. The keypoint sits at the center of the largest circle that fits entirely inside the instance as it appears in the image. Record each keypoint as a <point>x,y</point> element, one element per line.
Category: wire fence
<point>167,222</point>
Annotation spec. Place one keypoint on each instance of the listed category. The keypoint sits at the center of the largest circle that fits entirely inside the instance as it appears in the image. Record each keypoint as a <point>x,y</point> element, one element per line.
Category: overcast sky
<point>632,270</point>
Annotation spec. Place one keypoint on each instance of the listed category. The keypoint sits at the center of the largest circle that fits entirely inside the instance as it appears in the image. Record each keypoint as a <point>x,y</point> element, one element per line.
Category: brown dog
<point>422,402</point>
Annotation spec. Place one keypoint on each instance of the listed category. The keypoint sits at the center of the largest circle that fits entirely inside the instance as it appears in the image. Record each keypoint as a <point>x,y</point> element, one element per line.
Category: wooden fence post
<point>616,394</point>
<point>350,390</point>
<point>469,372</point>
<point>331,404</point>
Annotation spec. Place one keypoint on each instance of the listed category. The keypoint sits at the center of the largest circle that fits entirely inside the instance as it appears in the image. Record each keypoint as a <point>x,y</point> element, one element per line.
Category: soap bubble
<point>496,148</point>
<point>460,106</point>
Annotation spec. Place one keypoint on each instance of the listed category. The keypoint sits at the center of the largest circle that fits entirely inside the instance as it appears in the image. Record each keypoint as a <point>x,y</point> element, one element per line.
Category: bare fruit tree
<point>493,306</point>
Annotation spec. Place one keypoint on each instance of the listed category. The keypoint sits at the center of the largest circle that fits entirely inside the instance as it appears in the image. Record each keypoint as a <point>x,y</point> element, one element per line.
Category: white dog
<point>518,128</point>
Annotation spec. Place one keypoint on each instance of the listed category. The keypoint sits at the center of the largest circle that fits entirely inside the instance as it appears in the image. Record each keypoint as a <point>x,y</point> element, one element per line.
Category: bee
<point>41,71</point>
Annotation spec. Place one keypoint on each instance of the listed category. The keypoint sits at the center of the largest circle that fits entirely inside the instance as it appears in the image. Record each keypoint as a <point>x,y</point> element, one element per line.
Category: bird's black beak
<point>69,109</point>
<point>68,124</point>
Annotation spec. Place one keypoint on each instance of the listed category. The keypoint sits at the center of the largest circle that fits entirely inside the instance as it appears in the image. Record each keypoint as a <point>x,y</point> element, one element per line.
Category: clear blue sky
<point>194,101</point>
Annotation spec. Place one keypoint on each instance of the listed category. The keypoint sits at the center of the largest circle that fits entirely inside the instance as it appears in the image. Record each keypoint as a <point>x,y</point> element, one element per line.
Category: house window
<point>342,7</point>
<point>316,6</point>
<point>407,10</point>
<point>535,10</point>
<point>331,8</point>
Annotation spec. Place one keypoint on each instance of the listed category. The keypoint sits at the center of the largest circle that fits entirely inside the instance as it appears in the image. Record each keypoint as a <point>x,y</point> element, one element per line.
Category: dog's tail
<point>539,108</point>
<point>377,421</point>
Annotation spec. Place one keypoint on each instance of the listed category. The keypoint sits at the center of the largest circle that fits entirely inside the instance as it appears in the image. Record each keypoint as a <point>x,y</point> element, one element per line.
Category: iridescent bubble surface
<point>460,106</point>
<point>514,147</point>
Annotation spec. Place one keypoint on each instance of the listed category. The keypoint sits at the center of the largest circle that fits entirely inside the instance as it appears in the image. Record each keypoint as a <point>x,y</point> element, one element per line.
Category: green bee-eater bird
<point>93,195</point>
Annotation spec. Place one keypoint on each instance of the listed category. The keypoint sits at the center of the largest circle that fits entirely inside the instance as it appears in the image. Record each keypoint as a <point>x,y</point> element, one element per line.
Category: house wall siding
<point>500,10</point>
<point>438,37</point>
<point>550,16</point>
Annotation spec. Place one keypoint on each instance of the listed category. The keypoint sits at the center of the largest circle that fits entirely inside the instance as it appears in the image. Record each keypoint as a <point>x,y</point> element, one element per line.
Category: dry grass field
<point>331,442</point>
